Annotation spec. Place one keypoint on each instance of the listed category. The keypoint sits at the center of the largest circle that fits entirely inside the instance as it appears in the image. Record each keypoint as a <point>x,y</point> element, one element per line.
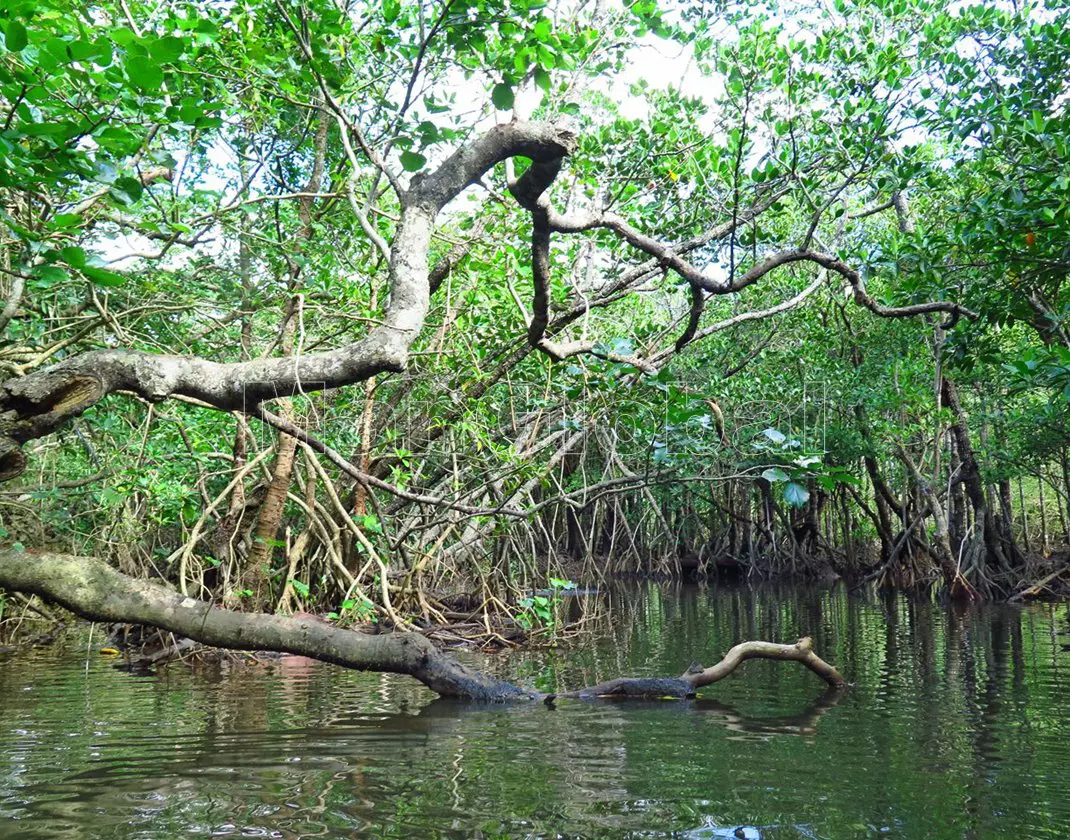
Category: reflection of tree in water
<point>953,730</point>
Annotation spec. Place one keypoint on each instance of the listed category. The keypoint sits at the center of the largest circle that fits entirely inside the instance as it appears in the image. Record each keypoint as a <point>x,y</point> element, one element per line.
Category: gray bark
<point>36,405</point>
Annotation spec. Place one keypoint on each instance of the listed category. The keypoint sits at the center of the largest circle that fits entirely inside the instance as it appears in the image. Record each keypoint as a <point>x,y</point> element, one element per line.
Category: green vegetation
<point>543,608</point>
<point>741,287</point>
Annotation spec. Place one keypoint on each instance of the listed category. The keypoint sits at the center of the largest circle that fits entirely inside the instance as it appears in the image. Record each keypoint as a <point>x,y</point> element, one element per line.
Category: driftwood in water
<point>92,589</point>
<point>696,676</point>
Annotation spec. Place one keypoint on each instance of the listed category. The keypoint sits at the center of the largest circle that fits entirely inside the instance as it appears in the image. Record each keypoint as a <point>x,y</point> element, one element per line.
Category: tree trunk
<point>958,587</point>
<point>1045,546</point>
<point>971,476</point>
<point>1006,523</point>
<point>956,507</point>
<point>258,563</point>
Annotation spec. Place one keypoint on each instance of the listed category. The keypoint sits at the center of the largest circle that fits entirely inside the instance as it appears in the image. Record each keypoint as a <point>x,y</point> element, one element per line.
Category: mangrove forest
<point>554,353</point>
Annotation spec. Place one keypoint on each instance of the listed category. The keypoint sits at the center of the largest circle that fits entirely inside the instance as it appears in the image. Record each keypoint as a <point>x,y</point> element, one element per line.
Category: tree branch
<point>92,589</point>
<point>38,404</point>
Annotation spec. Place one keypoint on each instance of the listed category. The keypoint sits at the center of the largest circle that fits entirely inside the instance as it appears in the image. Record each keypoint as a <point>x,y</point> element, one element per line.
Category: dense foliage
<point>803,307</point>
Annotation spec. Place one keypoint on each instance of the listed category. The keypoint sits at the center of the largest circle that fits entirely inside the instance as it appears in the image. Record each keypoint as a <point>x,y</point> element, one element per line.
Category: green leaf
<point>542,29</point>
<point>795,494</point>
<point>73,256</point>
<point>168,49</point>
<point>774,475</point>
<point>111,496</point>
<point>50,275</point>
<point>101,276</point>
<point>391,10</point>
<point>65,220</point>
<point>15,36</point>
<point>774,435</point>
<point>412,161</point>
<point>144,72</point>
<point>542,79</point>
<point>126,190</point>
<point>502,96</point>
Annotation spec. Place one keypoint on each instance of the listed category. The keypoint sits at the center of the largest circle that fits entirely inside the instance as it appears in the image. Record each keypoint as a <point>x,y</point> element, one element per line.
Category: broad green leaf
<point>15,38</point>
<point>774,435</point>
<point>412,161</point>
<point>144,72</point>
<point>65,220</point>
<point>502,96</point>
<point>774,475</point>
<point>126,190</point>
<point>795,494</point>
<point>102,276</point>
<point>167,50</point>
<point>51,275</point>
<point>73,256</point>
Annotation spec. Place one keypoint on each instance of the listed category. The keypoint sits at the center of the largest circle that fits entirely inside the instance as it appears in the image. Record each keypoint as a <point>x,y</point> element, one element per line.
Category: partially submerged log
<point>696,676</point>
<point>92,589</point>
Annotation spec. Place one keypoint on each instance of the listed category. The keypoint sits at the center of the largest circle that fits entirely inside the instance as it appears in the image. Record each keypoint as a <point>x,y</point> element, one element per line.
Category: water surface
<point>955,727</point>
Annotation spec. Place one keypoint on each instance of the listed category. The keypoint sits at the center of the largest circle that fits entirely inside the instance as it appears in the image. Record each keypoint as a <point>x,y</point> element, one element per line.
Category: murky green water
<point>956,728</point>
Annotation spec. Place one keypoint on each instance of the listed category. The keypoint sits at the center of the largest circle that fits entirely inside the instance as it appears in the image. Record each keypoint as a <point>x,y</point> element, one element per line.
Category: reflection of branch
<point>803,723</point>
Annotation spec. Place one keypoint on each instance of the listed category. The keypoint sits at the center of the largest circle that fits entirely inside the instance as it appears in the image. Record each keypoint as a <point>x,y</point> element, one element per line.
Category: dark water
<point>956,727</point>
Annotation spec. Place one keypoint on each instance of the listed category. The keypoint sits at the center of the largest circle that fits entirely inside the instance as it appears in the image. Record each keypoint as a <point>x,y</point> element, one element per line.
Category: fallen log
<point>93,590</point>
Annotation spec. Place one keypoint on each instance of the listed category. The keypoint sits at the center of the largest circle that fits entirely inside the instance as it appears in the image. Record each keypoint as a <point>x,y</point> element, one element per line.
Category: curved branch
<point>743,317</point>
<point>862,297</point>
<point>37,404</point>
<point>530,191</point>
<point>802,652</point>
<point>698,306</point>
<point>542,142</point>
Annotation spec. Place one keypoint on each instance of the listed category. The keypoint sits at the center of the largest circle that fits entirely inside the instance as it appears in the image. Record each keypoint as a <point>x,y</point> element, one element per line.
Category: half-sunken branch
<point>696,676</point>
